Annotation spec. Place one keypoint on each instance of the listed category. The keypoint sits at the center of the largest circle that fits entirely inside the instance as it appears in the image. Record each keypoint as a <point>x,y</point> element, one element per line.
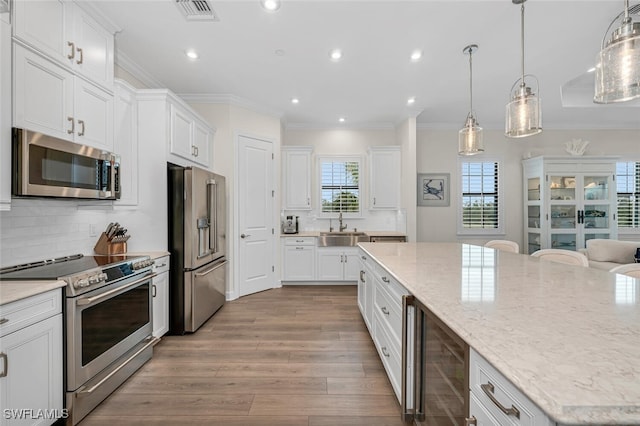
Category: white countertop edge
<point>11,291</point>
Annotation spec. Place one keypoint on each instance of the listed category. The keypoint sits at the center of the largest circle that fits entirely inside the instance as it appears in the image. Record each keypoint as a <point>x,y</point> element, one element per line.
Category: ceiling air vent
<point>197,10</point>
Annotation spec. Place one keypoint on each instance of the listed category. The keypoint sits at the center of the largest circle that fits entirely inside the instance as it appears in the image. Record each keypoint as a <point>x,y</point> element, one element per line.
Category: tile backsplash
<point>43,229</point>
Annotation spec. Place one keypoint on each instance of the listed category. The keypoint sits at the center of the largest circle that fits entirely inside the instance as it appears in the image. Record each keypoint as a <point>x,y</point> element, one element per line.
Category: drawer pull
<point>385,279</point>
<point>384,310</point>
<point>4,320</point>
<point>385,352</point>
<point>361,278</point>
<point>161,266</point>
<point>471,421</point>
<point>488,390</point>
<point>363,258</point>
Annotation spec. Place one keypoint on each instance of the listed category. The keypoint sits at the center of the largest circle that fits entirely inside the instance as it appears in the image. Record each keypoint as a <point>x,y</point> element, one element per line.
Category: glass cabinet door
<point>533,189</point>
<point>562,188</point>
<point>563,216</point>
<point>563,241</point>
<point>533,216</point>
<point>596,188</point>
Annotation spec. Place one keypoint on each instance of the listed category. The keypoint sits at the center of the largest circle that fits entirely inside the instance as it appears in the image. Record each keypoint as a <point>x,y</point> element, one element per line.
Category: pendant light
<point>524,115</point>
<point>470,136</point>
<point>618,63</point>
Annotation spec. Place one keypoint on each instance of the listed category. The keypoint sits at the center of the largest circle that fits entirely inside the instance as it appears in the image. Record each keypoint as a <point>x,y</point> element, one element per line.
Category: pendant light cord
<point>522,40</point>
<point>470,82</point>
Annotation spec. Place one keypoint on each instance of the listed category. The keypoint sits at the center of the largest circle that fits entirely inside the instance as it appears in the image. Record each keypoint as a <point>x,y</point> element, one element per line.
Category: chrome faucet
<point>342,227</point>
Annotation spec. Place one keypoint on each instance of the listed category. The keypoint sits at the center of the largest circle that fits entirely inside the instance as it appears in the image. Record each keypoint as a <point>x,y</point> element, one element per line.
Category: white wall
<point>231,121</point>
<point>343,141</point>
<point>406,135</point>
<point>437,152</point>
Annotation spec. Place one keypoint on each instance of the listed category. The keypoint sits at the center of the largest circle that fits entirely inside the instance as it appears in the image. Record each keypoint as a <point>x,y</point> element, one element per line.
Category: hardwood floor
<point>289,357</point>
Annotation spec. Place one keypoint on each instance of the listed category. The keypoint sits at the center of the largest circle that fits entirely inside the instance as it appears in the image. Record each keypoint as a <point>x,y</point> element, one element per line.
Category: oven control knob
<point>84,282</point>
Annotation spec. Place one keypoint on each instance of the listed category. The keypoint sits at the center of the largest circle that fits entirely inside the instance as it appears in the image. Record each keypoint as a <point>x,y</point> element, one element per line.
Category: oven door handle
<point>89,300</point>
<point>151,341</point>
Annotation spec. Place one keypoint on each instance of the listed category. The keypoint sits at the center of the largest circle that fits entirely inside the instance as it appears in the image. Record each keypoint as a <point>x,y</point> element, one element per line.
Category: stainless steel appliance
<point>388,239</point>
<point>435,366</point>
<point>290,225</point>
<point>197,242</point>
<point>44,166</point>
<point>107,315</point>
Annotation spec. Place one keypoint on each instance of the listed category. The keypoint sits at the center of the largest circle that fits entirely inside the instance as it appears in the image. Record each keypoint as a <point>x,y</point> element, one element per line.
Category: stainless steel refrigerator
<point>197,242</point>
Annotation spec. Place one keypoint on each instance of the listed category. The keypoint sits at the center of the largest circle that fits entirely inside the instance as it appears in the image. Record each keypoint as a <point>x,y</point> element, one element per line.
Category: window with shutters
<point>340,185</point>
<point>628,187</point>
<point>481,203</point>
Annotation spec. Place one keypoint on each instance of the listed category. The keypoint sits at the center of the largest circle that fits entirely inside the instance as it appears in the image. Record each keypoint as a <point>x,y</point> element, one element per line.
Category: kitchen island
<point>567,337</point>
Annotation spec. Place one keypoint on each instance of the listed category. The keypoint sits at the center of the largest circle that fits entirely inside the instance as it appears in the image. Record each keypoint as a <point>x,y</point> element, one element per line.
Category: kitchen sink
<point>341,239</point>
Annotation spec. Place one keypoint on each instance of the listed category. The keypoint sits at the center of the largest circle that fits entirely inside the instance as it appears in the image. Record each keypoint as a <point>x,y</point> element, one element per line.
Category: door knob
<point>245,235</point>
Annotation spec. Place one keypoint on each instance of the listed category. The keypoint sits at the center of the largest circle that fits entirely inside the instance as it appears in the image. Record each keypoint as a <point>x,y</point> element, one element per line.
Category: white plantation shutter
<point>340,186</point>
<point>480,201</point>
<point>628,187</point>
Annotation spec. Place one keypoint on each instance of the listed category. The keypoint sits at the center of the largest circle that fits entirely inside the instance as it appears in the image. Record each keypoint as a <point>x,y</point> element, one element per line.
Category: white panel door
<point>125,142</point>
<point>94,49</point>
<point>330,264</point>
<point>181,133</point>
<point>43,95</point>
<point>201,142</point>
<point>33,369</point>
<point>93,113</point>
<point>255,216</point>
<point>44,25</point>
<point>351,265</point>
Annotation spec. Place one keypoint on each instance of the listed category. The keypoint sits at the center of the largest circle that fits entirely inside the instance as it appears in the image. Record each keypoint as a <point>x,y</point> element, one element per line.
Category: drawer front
<point>389,352</point>
<point>480,413</point>
<point>389,309</point>
<point>485,380</point>
<point>391,285</point>
<point>22,313</point>
<point>300,241</point>
<point>366,260</point>
<point>161,265</point>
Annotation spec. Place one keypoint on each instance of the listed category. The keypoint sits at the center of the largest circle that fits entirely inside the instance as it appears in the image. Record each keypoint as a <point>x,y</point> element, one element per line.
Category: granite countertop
<point>370,233</point>
<point>10,291</point>
<point>566,336</point>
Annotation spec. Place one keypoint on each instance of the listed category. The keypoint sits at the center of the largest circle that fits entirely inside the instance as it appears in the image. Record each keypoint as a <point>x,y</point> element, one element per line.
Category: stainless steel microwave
<point>44,166</point>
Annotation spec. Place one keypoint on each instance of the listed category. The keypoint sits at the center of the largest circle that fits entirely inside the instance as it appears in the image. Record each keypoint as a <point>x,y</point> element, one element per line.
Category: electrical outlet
<point>92,230</point>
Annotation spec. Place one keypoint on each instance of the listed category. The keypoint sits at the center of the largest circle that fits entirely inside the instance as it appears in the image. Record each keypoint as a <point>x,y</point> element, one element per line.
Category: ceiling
<point>266,58</point>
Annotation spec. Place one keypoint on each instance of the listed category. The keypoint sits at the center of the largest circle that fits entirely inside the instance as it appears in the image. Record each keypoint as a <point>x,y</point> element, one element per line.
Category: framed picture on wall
<point>433,189</point>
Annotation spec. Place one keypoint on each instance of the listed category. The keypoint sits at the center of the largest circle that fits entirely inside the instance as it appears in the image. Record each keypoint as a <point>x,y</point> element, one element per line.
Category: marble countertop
<point>568,337</point>
<point>10,291</point>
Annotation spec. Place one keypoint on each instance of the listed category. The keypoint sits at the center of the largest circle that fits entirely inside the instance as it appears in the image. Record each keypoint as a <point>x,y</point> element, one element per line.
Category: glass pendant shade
<point>470,140</point>
<point>523,113</point>
<point>470,136</point>
<point>618,71</point>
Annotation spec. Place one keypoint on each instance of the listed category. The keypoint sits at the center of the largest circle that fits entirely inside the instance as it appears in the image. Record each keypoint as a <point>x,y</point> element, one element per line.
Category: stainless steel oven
<point>45,166</point>
<point>108,322</point>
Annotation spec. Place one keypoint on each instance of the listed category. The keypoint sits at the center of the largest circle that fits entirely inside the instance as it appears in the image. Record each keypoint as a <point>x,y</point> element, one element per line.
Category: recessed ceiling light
<point>416,55</point>
<point>191,54</point>
<point>295,100</point>
<point>411,100</point>
<point>592,69</point>
<point>270,5</point>
<point>341,119</point>
<point>335,54</point>
<point>279,52</point>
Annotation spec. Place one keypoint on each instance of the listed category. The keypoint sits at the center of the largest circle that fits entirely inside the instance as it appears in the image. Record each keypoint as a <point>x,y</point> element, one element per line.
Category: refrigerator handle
<point>212,214</point>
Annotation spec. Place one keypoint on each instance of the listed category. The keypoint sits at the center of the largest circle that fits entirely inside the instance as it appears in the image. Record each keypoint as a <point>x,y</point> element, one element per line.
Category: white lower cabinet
<point>338,264</point>
<point>31,360</point>
<point>299,259</point>
<point>494,395</point>
<point>160,292</point>
<point>480,416</point>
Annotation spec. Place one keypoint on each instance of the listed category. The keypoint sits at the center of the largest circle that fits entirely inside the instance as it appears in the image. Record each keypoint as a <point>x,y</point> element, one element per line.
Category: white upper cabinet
<point>125,142</point>
<point>384,178</point>
<point>191,138</point>
<point>68,35</point>
<point>51,100</point>
<point>296,178</point>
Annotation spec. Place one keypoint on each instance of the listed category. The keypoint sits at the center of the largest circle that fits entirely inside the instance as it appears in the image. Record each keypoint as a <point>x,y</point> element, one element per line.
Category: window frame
<point>461,230</point>
<point>632,229</point>
<point>340,158</point>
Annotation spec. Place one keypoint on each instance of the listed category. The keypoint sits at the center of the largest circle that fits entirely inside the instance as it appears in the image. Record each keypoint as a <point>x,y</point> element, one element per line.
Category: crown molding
<point>229,99</point>
<point>354,126</point>
<point>130,66</point>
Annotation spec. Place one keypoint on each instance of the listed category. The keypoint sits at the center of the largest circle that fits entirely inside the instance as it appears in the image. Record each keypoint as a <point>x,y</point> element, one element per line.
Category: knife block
<point>109,248</point>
